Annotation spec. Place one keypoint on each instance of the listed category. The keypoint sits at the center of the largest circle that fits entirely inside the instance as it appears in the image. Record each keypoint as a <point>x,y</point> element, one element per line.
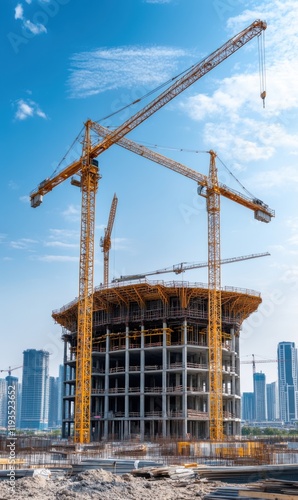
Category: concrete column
<point>64,433</point>
<point>164,381</point>
<point>126,393</point>
<point>107,376</point>
<point>142,384</point>
<point>233,361</point>
<point>184,378</point>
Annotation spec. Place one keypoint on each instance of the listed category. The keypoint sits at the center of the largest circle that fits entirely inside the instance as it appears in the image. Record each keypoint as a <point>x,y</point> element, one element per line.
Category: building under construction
<point>150,351</point>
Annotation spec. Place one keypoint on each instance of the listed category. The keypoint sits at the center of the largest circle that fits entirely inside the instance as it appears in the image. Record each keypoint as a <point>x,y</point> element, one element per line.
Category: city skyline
<point>278,400</point>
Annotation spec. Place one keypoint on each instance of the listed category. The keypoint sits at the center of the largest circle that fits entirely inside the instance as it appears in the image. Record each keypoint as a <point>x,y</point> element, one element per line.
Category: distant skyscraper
<point>260,397</point>
<point>272,401</point>
<point>248,406</point>
<point>3,402</point>
<point>35,390</point>
<point>53,402</point>
<point>287,380</point>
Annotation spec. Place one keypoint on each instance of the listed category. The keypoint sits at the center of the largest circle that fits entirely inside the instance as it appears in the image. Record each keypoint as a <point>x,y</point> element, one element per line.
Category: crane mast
<point>89,185</point>
<point>214,304</point>
<point>105,242</point>
<point>87,168</point>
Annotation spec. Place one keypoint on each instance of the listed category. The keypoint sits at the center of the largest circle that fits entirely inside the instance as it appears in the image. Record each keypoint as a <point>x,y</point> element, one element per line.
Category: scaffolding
<point>150,368</point>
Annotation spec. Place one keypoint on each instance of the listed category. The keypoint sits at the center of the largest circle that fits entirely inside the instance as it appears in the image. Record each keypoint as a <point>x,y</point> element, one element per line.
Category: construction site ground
<point>103,485</point>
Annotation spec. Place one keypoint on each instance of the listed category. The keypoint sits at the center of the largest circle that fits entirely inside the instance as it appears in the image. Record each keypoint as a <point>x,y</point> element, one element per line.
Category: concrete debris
<point>103,485</point>
<point>173,472</point>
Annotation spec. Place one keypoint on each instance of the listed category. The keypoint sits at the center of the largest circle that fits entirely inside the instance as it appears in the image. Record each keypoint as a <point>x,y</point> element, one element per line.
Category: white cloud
<point>121,244</point>
<point>27,109</point>
<point>106,69</point>
<point>158,1</point>
<point>248,139</point>
<point>24,199</point>
<point>58,258</point>
<point>19,11</point>
<point>23,244</point>
<point>24,110</point>
<point>285,176</point>
<point>64,234</point>
<point>60,244</point>
<point>36,29</point>
<point>72,213</point>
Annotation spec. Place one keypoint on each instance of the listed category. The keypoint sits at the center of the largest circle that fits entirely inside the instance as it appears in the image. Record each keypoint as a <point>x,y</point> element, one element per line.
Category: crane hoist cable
<point>77,139</point>
<point>262,66</point>
<point>237,180</point>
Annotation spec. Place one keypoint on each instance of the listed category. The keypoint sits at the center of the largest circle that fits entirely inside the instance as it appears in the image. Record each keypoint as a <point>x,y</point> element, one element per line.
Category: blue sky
<point>65,61</point>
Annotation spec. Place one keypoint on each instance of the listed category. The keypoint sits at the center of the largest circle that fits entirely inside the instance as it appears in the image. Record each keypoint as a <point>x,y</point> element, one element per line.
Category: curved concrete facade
<point>150,375</point>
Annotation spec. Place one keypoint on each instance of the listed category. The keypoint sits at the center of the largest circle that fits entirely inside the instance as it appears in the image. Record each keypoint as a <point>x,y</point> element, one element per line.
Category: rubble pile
<point>103,485</point>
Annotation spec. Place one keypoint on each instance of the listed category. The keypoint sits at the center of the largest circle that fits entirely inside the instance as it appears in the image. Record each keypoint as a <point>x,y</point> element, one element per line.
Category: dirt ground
<point>103,485</point>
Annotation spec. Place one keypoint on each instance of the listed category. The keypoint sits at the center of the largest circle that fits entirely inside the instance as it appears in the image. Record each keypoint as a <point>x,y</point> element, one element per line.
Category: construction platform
<point>150,351</point>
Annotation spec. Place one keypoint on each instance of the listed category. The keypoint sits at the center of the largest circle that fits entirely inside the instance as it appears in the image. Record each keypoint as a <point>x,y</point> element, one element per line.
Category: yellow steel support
<point>214,304</point>
<point>89,184</point>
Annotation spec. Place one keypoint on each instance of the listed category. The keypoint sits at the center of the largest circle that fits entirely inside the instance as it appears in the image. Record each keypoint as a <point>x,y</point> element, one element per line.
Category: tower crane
<point>184,266</point>
<point>9,370</point>
<point>211,189</point>
<point>105,242</point>
<point>87,168</point>
<point>253,361</point>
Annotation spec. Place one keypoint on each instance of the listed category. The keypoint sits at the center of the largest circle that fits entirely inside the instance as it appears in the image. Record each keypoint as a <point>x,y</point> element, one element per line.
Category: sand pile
<point>103,485</point>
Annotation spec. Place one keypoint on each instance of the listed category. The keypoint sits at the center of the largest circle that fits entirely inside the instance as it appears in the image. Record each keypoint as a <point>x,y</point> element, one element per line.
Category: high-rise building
<point>3,403</point>
<point>272,401</point>
<point>287,381</point>
<point>35,390</point>
<point>248,406</point>
<point>260,397</point>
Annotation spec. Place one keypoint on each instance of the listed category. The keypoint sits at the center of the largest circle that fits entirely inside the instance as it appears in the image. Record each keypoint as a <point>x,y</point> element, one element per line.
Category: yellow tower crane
<point>105,242</point>
<point>87,168</point>
<point>211,189</point>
